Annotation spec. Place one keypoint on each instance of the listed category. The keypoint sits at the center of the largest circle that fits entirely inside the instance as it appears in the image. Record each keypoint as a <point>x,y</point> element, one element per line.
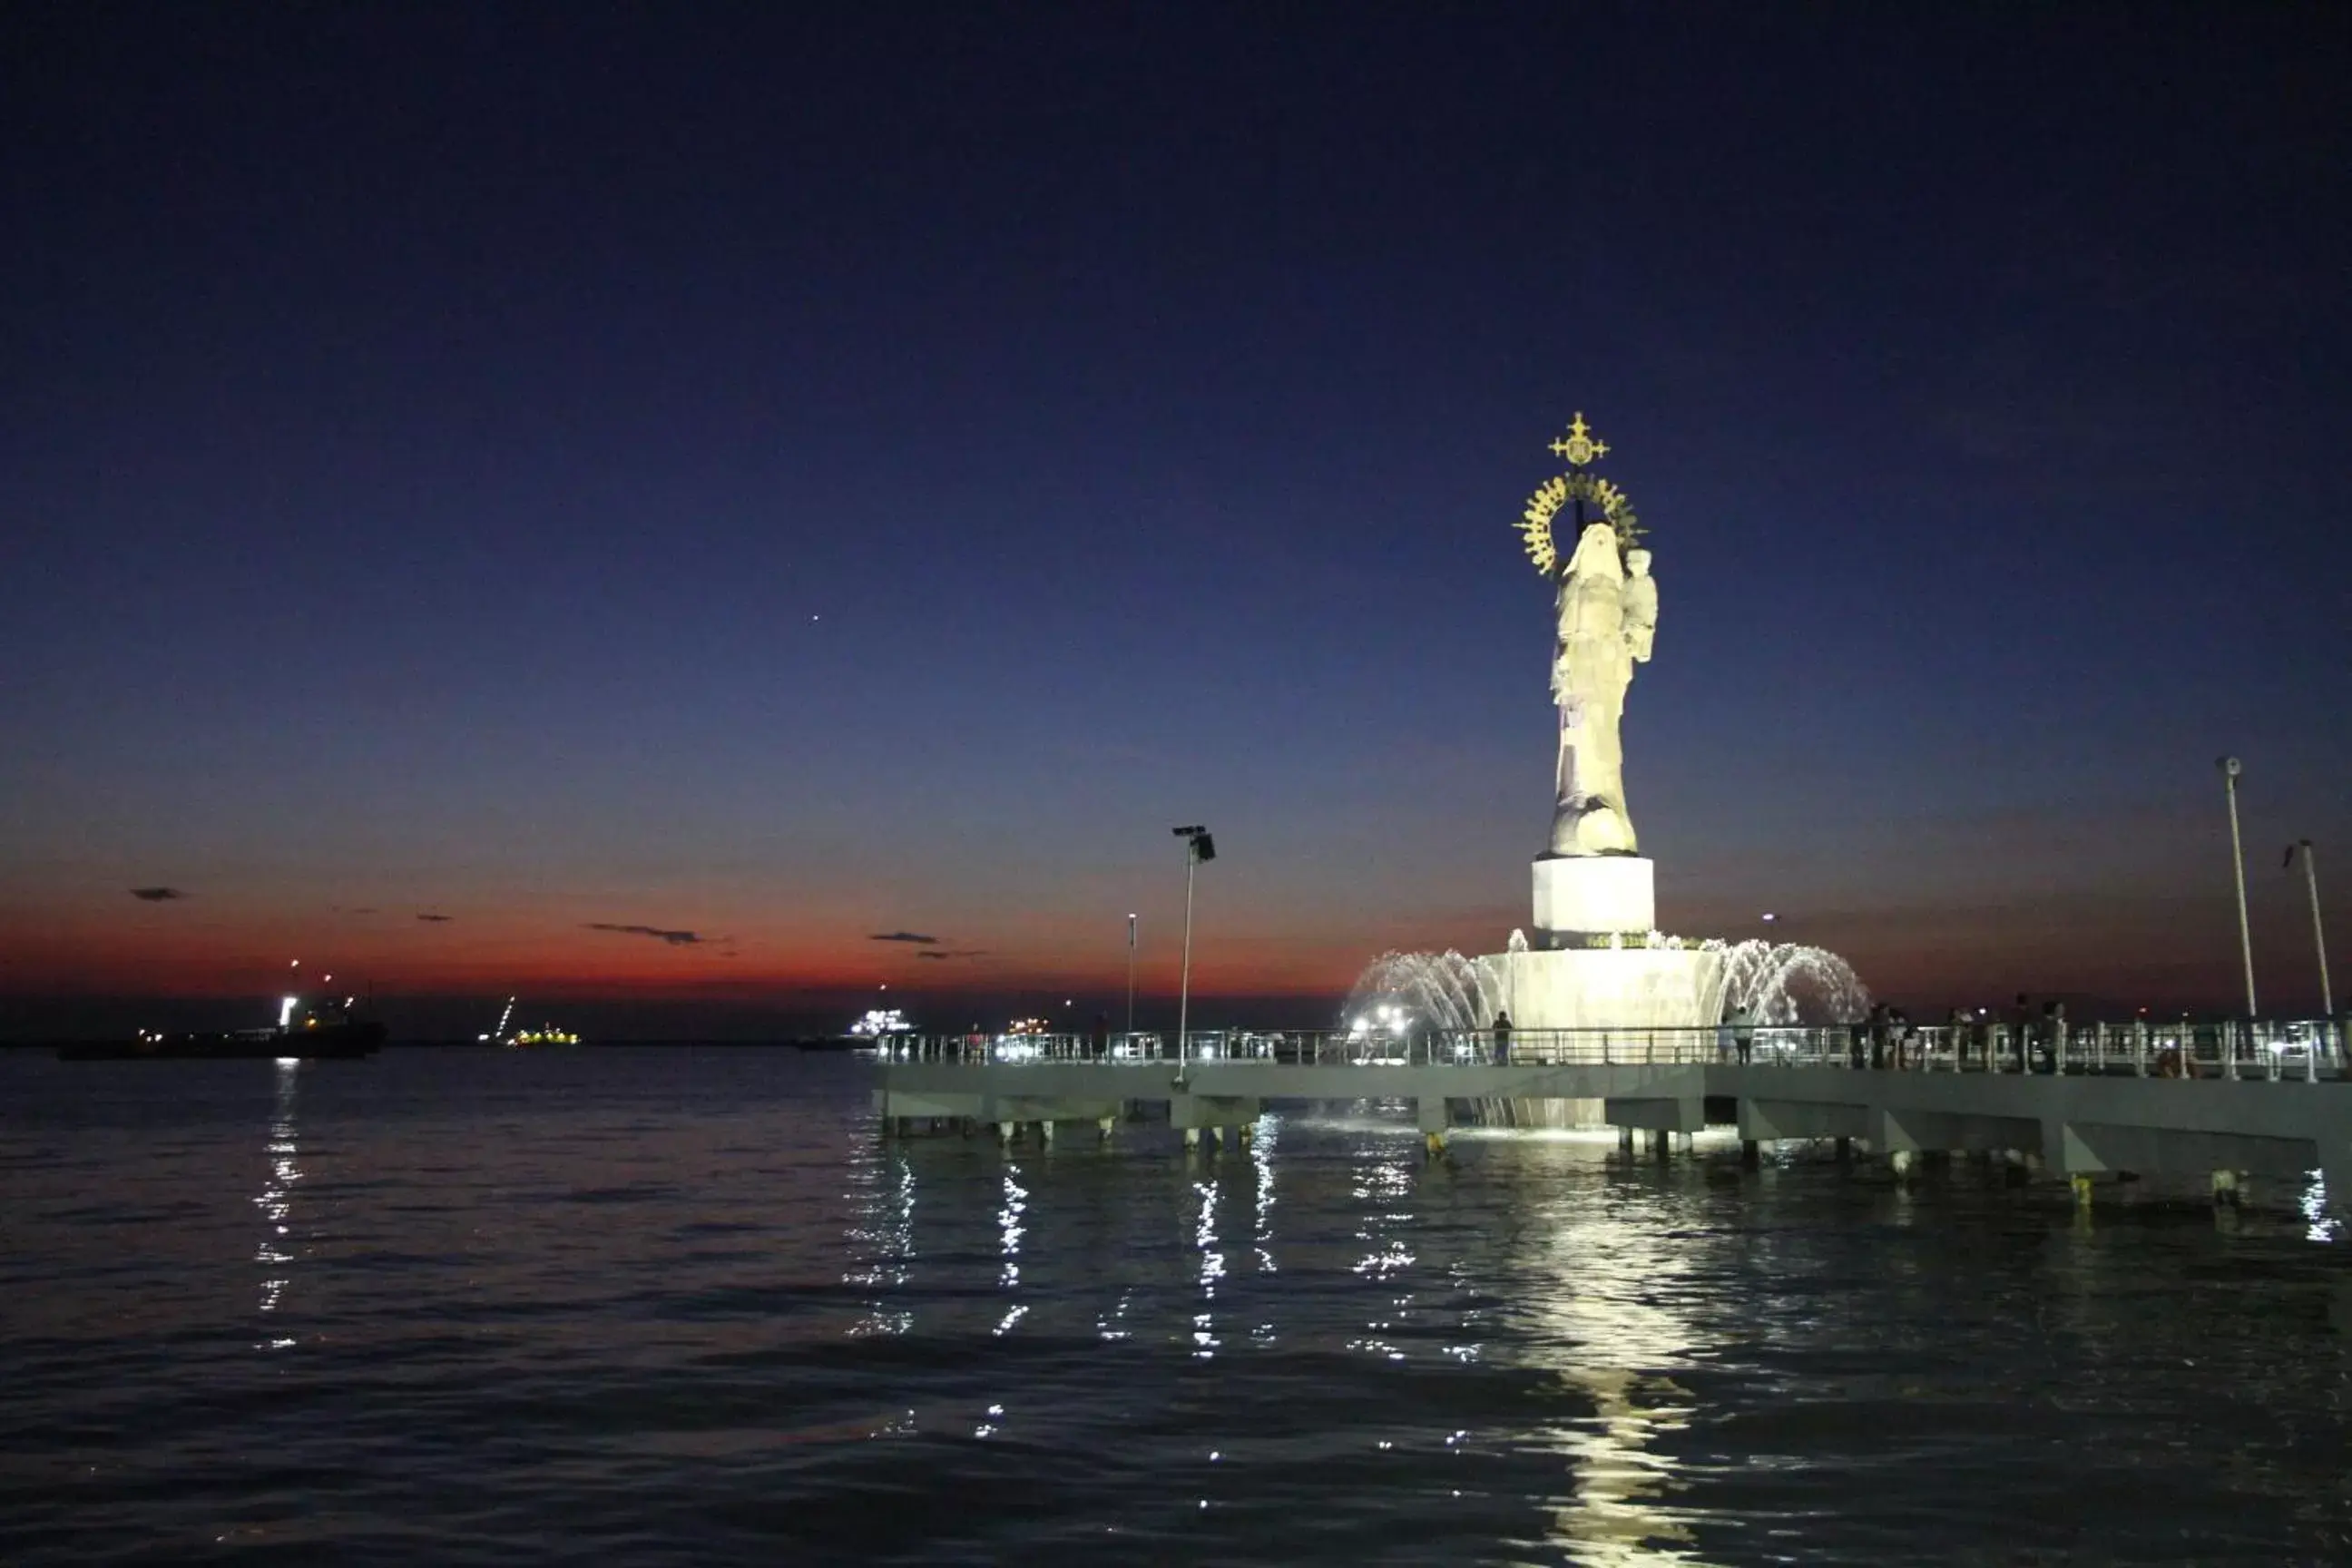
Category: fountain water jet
<point>1785,983</point>
<point>1440,990</point>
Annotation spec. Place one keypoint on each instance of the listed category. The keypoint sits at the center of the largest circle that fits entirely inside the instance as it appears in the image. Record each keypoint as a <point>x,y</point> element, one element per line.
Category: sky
<point>698,515</point>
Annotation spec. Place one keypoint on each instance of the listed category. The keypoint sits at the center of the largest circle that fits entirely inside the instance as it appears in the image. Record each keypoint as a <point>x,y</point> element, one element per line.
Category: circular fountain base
<point>1597,988</point>
<point>1630,988</point>
<point>1602,988</point>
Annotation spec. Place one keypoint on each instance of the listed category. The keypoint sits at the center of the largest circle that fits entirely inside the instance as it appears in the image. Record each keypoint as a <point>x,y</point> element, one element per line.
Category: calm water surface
<point>672,1306</point>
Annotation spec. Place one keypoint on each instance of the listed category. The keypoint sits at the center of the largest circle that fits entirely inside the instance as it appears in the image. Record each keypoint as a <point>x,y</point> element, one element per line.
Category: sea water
<point>685,1305</point>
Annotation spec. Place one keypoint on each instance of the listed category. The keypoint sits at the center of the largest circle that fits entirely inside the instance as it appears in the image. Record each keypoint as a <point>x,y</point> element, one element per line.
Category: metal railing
<point>2306,1049</point>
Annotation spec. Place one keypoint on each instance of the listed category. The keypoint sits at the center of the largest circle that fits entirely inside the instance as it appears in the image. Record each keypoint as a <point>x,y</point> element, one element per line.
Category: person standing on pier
<point>1502,1039</point>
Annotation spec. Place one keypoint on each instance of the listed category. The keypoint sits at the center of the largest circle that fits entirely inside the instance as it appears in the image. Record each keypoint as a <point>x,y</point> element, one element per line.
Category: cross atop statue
<point>1577,490</point>
<point>1578,446</point>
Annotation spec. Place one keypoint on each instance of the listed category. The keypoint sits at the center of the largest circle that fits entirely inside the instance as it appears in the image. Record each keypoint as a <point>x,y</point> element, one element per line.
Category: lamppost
<point>2318,937</point>
<point>1130,975</point>
<point>2231,768</point>
<point>1198,847</point>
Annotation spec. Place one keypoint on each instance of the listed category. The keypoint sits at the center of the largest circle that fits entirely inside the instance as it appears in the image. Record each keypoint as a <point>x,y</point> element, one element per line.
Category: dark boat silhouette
<point>316,1029</point>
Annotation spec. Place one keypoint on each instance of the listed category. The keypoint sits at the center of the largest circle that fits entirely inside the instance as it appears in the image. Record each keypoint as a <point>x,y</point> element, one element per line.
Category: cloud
<point>675,937</point>
<point>916,937</point>
<point>955,953</point>
<point>437,919</point>
<point>157,895</point>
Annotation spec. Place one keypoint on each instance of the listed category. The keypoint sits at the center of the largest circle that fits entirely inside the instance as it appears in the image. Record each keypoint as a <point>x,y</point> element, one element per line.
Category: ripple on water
<point>629,1306</point>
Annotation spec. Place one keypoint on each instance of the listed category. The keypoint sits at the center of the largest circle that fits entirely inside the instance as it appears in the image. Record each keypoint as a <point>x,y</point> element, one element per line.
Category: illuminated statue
<point>1607,621</point>
<point>1608,618</point>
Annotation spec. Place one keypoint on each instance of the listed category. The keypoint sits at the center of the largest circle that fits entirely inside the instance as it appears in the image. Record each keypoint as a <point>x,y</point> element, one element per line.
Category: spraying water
<point>1785,983</point>
<point>1778,983</point>
<point>1444,990</point>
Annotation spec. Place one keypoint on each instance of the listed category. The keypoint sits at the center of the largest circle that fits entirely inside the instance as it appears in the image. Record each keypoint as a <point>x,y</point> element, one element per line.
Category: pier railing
<point>2308,1049</point>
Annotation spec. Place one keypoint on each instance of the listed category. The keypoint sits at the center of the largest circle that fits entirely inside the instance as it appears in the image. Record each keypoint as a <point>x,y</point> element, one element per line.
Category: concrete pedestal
<point>1596,894</point>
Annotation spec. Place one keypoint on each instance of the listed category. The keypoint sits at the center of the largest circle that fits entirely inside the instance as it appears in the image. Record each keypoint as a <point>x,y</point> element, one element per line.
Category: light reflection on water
<point>2322,1222</point>
<point>1011,1230</point>
<point>880,1239</point>
<point>276,1252</point>
<point>619,1300</point>
<point>1609,1312</point>
<point>1212,1268</point>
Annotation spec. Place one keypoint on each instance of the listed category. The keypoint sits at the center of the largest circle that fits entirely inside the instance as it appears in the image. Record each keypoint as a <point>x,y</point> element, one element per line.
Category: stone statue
<point>1608,618</point>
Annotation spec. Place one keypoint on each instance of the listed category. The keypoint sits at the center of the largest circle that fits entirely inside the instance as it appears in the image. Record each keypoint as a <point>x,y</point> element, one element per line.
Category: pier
<point>2271,1099</point>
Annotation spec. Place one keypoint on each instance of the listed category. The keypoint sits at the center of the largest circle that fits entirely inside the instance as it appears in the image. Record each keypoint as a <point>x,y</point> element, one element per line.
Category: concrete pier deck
<point>2251,1107</point>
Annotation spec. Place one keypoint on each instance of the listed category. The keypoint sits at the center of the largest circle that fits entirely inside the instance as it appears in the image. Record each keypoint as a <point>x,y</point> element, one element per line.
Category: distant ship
<point>523,1039</point>
<point>323,1028</point>
<point>869,1032</point>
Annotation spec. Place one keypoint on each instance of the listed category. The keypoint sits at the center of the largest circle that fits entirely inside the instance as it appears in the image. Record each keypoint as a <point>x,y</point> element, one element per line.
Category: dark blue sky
<point>793,477</point>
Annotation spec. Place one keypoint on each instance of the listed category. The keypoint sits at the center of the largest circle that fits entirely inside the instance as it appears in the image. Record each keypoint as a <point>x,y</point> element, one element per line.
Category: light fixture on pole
<point>2231,768</point>
<point>1198,847</point>
<point>1130,975</point>
<point>2318,936</point>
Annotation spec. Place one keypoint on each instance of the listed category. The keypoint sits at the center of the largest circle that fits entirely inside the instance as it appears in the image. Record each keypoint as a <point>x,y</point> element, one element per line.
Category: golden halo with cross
<point>1579,447</point>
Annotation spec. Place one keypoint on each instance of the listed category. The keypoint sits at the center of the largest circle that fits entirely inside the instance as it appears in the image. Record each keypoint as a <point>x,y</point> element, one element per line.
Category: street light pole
<point>2231,767</point>
<point>2318,936</point>
<point>1198,847</point>
<point>1184,982</point>
<point>1131,976</point>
